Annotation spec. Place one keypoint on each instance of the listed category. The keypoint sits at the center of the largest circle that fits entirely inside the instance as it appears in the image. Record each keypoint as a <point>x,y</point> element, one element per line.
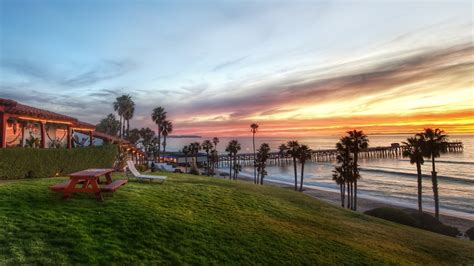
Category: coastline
<point>364,202</point>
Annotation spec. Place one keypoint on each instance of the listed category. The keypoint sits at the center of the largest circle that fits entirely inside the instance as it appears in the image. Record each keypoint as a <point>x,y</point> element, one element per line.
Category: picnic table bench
<point>87,181</point>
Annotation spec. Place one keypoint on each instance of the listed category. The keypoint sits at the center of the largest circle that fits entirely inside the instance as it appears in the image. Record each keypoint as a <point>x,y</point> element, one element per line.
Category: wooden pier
<point>395,150</point>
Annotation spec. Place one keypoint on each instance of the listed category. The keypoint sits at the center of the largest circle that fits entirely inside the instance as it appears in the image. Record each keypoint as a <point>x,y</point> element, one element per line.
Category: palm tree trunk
<point>418,171</point>
<point>435,188</point>
<point>208,166</point>
<point>355,194</point>
<point>159,143</point>
<point>343,194</point>
<point>348,196</point>
<point>230,167</point>
<point>128,127</point>
<point>164,143</point>
<point>185,164</point>
<point>296,173</point>
<point>254,160</point>
<point>356,168</point>
<point>302,174</point>
<point>235,165</point>
<point>120,127</point>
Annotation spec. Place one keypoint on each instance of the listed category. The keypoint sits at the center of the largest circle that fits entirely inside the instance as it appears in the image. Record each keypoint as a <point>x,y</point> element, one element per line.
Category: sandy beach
<point>364,204</point>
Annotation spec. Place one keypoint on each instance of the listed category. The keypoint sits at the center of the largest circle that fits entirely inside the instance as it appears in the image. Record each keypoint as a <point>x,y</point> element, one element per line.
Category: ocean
<point>391,180</point>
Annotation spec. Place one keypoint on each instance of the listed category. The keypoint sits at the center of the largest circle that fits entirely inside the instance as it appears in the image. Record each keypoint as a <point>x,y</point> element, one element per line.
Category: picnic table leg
<point>108,177</point>
<point>95,187</point>
<point>69,189</point>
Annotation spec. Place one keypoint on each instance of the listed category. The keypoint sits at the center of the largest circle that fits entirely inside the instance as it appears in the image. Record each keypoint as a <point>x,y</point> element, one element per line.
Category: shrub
<point>394,215</point>
<point>428,222</point>
<point>470,233</point>
<point>414,219</point>
<point>18,163</point>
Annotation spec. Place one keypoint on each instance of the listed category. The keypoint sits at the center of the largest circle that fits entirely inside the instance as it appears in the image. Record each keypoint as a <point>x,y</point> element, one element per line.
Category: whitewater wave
<point>392,172</point>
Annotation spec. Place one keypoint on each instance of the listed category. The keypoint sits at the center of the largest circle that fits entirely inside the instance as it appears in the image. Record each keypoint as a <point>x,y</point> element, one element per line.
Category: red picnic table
<point>87,181</point>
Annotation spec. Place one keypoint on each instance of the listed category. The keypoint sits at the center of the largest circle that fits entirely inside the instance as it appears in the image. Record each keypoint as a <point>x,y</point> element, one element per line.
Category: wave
<point>450,178</point>
<point>447,162</point>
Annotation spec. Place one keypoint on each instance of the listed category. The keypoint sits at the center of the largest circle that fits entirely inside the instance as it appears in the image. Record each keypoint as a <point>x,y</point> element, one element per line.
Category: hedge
<point>19,163</point>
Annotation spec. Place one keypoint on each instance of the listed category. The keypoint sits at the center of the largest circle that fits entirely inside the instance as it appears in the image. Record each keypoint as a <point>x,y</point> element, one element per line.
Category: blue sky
<point>208,62</point>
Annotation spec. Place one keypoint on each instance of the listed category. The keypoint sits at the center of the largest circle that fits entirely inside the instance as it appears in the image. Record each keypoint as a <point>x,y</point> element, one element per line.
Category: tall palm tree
<point>215,141</point>
<point>262,156</point>
<point>185,152</point>
<point>207,147</point>
<point>166,129</point>
<point>343,174</point>
<point>338,177</point>
<point>304,154</point>
<point>214,159</point>
<point>293,147</point>
<point>435,143</point>
<point>360,141</point>
<point>119,107</point>
<point>253,129</point>
<point>412,148</point>
<point>158,116</point>
<point>233,148</point>
<point>129,110</point>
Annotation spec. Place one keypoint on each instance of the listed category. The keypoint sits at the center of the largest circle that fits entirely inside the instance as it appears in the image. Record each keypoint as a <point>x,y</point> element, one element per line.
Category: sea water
<point>392,180</point>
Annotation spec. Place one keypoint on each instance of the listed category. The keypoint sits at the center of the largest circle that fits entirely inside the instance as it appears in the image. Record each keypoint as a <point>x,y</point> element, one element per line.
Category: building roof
<point>14,108</point>
<point>109,138</point>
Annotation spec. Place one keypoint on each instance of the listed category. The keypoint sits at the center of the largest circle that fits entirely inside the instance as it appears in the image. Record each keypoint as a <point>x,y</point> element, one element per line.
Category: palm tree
<point>338,177</point>
<point>435,143</point>
<point>293,147</point>
<point>253,129</point>
<point>166,129</point>
<point>233,148</point>
<point>109,125</point>
<point>194,149</point>
<point>412,149</point>
<point>360,142</point>
<point>128,111</point>
<point>282,150</point>
<point>261,162</point>
<point>214,159</point>
<point>215,140</point>
<point>185,151</point>
<point>158,116</point>
<point>119,107</point>
<point>304,154</point>
<point>207,147</point>
<point>343,174</point>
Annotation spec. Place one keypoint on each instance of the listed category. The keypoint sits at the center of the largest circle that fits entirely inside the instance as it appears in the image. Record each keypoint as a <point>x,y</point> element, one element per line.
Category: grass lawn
<point>201,220</point>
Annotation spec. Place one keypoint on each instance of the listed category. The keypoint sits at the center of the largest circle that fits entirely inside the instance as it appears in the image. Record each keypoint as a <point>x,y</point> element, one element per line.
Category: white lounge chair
<point>131,167</point>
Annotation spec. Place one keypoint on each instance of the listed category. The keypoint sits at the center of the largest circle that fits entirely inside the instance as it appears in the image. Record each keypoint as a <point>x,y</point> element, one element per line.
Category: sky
<point>297,68</point>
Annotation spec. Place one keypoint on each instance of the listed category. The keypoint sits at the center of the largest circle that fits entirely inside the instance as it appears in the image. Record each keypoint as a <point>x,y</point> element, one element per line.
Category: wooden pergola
<point>17,118</point>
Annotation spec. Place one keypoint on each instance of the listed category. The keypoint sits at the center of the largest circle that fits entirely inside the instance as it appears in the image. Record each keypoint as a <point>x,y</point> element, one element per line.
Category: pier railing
<point>277,158</point>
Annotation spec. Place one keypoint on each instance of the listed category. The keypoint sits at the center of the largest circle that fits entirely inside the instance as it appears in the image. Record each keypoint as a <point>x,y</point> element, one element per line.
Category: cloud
<point>32,71</point>
<point>383,75</point>
<point>229,63</point>
<point>106,70</point>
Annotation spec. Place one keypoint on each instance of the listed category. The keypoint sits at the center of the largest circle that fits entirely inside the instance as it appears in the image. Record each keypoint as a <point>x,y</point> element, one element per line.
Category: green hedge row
<point>18,163</point>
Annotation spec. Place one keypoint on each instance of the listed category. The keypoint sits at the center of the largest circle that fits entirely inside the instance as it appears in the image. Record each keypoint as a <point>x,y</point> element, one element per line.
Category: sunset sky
<point>296,68</point>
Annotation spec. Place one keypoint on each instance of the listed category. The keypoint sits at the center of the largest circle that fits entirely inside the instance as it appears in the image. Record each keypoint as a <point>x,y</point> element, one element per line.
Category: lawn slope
<point>191,219</point>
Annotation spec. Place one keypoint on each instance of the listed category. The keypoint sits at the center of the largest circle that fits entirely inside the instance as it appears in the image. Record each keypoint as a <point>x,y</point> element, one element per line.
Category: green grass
<point>201,220</point>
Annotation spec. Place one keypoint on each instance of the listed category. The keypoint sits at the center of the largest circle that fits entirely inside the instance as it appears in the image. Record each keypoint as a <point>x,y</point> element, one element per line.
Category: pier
<point>395,150</point>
